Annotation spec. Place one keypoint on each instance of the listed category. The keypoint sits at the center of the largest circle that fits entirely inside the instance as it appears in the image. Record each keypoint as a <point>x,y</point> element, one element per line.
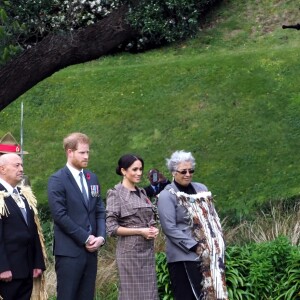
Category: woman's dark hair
<point>126,161</point>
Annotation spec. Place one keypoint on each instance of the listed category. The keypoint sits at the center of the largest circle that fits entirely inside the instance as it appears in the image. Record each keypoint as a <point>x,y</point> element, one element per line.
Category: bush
<point>163,279</point>
<point>269,270</point>
<point>290,281</point>
<point>276,219</point>
<point>162,21</point>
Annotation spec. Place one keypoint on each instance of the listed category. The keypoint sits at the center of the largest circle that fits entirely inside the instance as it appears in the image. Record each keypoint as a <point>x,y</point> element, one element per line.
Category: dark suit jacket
<point>20,247</point>
<point>151,192</point>
<point>72,218</point>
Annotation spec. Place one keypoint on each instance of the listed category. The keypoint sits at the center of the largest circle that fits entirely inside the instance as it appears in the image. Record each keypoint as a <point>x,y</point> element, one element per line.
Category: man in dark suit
<point>79,221</point>
<point>21,255</point>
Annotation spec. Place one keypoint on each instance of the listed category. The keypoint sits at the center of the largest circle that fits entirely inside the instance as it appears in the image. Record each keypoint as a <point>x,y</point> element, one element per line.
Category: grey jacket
<point>175,225</point>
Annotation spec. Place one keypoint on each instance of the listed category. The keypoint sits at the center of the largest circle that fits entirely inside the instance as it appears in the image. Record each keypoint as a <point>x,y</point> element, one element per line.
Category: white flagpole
<point>21,133</point>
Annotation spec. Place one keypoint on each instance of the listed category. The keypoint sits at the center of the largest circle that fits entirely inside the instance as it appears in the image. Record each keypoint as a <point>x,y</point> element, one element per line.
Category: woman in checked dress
<point>130,217</point>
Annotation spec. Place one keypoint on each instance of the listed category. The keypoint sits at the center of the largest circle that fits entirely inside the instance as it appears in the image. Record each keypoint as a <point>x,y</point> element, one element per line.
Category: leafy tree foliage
<point>64,32</point>
<point>157,21</point>
<point>161,21</point>
<point>42,17</point>
<point>9,29</point>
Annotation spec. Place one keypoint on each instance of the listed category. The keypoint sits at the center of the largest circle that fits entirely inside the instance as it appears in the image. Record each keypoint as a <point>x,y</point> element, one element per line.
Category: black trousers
<point>17,289</point>
<point>76,276</point>
<point>186,280</point>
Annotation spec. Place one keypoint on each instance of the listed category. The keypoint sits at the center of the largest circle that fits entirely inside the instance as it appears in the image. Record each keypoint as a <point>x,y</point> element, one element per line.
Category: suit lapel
<point>13,206</point>
<point>88,181</point>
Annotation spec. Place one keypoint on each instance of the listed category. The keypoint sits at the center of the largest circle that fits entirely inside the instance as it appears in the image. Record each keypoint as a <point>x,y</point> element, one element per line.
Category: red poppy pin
<point>88,176</point>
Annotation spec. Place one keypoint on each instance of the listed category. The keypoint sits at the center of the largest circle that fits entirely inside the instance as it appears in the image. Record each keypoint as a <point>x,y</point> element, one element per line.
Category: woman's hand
<point>150,233</point>
<point>200,249</point>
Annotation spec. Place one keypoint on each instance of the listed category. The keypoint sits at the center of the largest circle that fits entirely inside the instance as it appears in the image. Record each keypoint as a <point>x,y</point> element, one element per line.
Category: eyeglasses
<point>183,172</point>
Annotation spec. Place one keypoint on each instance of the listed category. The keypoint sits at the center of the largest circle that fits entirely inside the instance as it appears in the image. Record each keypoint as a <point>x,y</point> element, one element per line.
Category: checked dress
<point>134,254</point>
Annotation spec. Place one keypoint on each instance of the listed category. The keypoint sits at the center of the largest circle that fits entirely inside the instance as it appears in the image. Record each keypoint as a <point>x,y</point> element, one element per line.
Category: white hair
<point>178,157</point>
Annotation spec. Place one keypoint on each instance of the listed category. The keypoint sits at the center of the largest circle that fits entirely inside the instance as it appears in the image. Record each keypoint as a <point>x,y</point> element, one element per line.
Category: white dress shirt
<point>76,176</point>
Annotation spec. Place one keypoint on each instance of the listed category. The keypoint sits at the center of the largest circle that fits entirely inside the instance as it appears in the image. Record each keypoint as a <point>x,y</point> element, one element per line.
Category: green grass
<point>231,96</point>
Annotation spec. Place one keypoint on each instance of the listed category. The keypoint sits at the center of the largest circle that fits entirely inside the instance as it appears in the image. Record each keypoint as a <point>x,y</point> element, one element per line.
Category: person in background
<point>130,217</point>
<point>21,254</point>
<point>157,183</point>
<point>195,245</point>
<point>79,221</point>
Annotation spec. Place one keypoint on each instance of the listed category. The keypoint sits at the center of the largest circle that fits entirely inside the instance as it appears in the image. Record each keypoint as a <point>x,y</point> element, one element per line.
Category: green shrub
<point>237,271</point>
<point>163,279</point>
<point>167,21</point>
<point>290,281</point>
<point>268,270</point>
<point>268,263</point>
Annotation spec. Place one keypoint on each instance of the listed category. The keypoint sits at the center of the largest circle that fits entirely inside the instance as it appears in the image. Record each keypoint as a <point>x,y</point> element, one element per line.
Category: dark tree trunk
<point>56,52</point>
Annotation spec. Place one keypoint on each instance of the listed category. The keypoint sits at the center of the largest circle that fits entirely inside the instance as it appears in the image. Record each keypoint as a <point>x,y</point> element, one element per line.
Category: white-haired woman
<point>195,245</point>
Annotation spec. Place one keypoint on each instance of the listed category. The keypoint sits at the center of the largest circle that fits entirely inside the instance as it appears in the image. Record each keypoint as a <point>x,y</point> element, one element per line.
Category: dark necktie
<point>83,190</point>
<point>20,203</point>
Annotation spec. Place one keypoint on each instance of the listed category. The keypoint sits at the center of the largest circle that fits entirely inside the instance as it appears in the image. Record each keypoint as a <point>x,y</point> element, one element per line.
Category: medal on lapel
<point>95,190</point>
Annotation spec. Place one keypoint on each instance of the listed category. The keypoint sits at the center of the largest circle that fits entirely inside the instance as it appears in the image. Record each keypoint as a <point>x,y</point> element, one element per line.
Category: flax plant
<point>268,226</point>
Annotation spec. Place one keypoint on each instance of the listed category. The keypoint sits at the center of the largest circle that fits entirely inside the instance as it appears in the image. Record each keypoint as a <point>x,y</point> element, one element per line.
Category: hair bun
<point>118,171</point>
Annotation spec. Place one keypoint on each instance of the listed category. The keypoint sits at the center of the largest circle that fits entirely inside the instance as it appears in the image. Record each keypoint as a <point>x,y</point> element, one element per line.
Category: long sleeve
<point>112,212</point>
<point>173,222</point>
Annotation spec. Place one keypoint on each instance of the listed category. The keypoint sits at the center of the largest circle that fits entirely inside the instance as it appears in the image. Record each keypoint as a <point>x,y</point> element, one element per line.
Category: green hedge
<point>269,270</point>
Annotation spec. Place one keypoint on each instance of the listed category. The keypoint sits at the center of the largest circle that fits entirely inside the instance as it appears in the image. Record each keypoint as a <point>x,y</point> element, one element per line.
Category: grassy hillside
<point>231,96</point>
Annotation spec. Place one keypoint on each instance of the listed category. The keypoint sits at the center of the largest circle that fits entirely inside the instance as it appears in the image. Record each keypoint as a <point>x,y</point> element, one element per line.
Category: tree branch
<point>56,52</point>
